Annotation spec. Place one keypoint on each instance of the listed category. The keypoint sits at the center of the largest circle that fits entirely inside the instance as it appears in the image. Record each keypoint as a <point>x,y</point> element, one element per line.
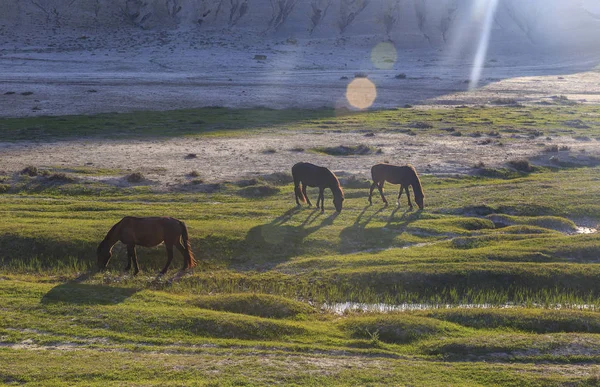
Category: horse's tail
<point>299,193</point>
<point>297,189</point>
<point>190,260</point>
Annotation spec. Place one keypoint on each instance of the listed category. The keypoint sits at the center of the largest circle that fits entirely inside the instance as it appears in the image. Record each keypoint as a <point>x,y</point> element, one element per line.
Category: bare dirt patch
<point>163,162</point>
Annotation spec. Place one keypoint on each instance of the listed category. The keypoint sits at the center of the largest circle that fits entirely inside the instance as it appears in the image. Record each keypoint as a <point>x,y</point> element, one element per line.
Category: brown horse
<point>404,175</point>
<point>148,232</point>
<point>314,176</point>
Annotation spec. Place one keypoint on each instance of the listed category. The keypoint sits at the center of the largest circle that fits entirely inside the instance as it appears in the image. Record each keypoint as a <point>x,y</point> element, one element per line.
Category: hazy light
<point>483,11</point>
<point>361,93</point>
<point>384,55</point>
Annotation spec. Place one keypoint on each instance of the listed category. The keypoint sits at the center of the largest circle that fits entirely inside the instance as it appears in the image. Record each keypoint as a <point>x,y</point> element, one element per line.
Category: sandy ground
<point>118,71</point>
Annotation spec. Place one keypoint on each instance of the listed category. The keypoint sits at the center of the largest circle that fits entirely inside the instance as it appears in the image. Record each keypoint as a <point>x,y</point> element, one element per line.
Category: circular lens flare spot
<point>384,55</point>
<point>361,93</point>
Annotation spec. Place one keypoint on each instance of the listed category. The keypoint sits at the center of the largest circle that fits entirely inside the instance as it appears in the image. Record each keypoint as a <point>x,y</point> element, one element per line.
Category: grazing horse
<point>148,232</point>
<point>404,175</point>
<point>314,176</point>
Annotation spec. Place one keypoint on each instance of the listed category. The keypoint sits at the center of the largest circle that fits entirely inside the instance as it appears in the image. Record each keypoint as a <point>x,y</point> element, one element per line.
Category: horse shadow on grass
<point>359,237</point>
<point>76,292</point>
<point>269,244</point>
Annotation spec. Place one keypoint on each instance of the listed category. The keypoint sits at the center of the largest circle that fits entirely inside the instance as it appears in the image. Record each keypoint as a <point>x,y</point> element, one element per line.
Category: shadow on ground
<point>277,241</point>
<point>361,237</point>
<point>75,292</point>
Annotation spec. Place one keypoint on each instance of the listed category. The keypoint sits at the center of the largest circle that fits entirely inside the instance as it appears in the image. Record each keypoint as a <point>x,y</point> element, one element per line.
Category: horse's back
<point>312,175</point>
<point>395,174</point>
<point>149,231</point>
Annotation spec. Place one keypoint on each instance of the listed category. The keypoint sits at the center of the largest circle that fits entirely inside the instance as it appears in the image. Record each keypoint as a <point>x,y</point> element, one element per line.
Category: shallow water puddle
<point>344,307</point>
<point>585,230</point>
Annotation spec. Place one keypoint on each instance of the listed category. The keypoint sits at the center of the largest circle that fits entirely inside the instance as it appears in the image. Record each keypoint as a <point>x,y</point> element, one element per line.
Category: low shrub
<point>396,328</point>
<point>258,191</point>
<point>529,320</point>
<point>135,177</point>
<point>343,150</point>
<point>522,165</point>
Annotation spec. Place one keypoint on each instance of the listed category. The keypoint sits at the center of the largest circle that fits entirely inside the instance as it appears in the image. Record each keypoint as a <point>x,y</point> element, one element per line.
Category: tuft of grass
<point>261,305</point>
<point>355,182</point>
<point>343,150</point>
<point>61,177</point>
<point>398,328</point>
<point>135,177</point>
<point>30,171</point>
<point>528,320</point>
<point>522,165</point>
<point>258,191</point>
<point>278,178</point>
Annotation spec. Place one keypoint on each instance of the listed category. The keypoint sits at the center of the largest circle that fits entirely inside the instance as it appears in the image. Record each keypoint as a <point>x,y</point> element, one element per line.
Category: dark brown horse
<point>404,175</point>
<point>147,232</point>
<point>314,176</point>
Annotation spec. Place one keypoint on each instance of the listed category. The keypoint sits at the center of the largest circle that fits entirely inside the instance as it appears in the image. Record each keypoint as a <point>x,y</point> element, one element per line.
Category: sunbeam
<point>482,10</point>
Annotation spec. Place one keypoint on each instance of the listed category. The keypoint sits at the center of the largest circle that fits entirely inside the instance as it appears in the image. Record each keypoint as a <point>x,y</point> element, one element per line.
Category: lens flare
<point>384,55</point>
<point>361,93</point>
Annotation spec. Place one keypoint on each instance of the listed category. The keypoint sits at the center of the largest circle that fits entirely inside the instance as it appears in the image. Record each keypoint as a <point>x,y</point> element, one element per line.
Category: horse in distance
<point>405,175</point>
<point>147,232</point>
<point>310,175</point>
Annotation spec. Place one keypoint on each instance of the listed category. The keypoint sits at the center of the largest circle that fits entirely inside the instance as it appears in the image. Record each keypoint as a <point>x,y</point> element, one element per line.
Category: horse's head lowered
<point>419,200</point>
<point>338,199</point>
<point>103,253</point>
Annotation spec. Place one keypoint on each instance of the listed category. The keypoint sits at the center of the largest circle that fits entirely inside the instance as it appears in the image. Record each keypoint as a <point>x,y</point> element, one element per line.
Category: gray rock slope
<point>569,24</point>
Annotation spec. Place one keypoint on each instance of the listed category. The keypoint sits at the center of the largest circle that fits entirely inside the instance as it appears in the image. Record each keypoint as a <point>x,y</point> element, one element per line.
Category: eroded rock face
<point>413,22</point>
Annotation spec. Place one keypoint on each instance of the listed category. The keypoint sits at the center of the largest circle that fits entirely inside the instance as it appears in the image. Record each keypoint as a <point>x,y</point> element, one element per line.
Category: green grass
<point>251,312</point>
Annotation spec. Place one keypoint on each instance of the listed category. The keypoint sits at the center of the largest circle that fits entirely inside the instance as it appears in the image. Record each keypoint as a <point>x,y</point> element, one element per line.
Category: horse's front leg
<point>399,194</point>
<point>132,256</point>
<point>408,196</point>
<point>322,197</point>
<point>136,268</point>
<point>169,258</point>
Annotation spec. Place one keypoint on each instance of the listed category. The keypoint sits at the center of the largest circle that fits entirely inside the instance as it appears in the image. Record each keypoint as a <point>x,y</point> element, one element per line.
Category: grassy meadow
<point>493,283</point>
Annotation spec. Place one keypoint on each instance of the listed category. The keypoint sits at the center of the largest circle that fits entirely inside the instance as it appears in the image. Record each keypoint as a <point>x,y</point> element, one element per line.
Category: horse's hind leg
<point>371,191</point>
<point>169,258</point>
<point>380,188</point>
<point>183,252</point>
<point>305,195</point>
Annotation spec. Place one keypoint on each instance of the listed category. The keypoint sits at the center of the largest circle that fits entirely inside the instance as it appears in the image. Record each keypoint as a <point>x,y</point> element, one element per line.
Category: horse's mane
<point>336,187</point>
<point>416,184</point>
<point>109,235</point>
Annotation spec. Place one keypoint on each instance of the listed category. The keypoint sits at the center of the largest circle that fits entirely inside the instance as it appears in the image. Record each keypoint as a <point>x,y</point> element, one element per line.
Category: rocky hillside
<point>541,23</point>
